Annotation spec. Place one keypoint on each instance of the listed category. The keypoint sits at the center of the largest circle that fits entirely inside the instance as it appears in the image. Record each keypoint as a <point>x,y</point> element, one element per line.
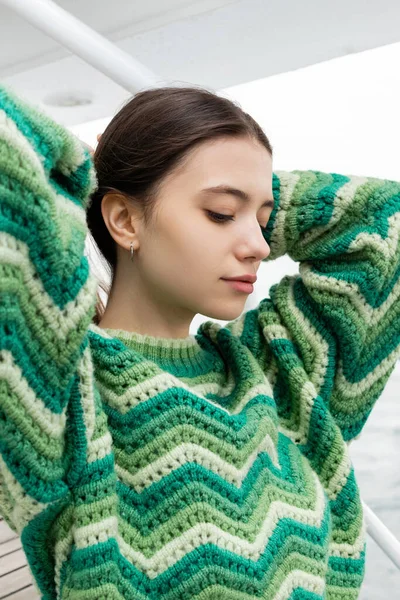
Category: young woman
<point>141,462</point>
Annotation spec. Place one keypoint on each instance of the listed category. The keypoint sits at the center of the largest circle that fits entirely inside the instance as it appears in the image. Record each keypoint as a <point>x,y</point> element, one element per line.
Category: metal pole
<point>382,535</point>
<point>92,47</point>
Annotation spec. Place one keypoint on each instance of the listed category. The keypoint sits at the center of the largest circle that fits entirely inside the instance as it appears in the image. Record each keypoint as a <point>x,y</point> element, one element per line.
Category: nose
<point>251,243</point>
<point>260,245</point>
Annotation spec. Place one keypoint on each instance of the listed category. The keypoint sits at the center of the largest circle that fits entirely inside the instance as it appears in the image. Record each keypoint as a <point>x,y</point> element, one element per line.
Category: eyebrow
<point>240,194</point>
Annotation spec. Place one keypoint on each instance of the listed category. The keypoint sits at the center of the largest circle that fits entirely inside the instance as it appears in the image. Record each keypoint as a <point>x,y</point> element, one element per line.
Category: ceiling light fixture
<point>68,99</point>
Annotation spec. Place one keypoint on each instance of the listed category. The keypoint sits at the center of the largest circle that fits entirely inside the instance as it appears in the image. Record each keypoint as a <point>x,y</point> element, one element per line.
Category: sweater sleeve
<point>341,315</point>
<point>47,299</point>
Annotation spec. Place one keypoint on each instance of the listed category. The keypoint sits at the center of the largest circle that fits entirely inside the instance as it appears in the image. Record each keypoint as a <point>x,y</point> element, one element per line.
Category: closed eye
<point>219,218</point>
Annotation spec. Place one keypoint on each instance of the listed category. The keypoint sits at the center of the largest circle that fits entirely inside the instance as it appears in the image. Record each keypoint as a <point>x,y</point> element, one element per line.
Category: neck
<point>132,308</point>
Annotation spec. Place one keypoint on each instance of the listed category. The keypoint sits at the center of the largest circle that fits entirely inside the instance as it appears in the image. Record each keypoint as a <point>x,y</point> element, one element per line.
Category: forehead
<point>244,160</point>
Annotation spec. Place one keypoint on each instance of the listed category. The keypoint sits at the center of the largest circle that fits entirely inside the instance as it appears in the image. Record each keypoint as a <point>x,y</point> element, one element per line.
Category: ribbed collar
<point>164,351</point>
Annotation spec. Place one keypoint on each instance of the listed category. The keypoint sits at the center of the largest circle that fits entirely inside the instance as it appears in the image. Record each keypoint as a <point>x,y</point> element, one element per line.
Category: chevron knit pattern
<point>214,467</point>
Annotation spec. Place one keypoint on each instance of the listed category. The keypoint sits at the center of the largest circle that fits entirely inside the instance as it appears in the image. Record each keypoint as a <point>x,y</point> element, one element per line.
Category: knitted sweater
<point>214,467</point>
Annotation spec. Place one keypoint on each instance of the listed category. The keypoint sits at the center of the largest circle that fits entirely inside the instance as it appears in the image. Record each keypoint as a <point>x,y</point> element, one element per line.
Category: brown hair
<point>151,135</point>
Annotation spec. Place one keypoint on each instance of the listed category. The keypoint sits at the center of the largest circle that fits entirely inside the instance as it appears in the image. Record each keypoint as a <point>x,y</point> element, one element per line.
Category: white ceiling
<point>215,43</point>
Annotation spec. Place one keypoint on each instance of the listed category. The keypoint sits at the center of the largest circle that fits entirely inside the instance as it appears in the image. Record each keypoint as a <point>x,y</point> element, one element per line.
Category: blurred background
<point>321,78</point>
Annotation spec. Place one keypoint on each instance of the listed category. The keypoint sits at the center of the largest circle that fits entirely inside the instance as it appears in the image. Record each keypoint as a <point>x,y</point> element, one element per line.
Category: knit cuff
<point>66,162</point>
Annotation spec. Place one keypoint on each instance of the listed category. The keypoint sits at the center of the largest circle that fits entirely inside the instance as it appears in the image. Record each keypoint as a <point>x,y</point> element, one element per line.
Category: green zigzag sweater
<point>214,467</point>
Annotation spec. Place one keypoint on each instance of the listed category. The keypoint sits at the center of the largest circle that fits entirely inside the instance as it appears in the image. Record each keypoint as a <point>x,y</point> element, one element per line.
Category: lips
<point>240,286</point>
<point>245,278</point>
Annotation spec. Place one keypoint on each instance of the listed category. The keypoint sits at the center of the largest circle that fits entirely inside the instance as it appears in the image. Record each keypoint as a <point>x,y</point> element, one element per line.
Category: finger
<point>89,148</point>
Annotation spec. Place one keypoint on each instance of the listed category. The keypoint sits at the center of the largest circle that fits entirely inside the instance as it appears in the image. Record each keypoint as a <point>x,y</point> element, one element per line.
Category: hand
<point>91,150</point>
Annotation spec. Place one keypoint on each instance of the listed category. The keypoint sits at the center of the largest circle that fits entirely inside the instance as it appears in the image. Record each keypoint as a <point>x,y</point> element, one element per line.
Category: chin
<point>226,313</point>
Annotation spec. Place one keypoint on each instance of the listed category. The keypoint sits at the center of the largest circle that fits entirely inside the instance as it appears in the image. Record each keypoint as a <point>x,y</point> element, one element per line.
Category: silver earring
<point>132,251</point>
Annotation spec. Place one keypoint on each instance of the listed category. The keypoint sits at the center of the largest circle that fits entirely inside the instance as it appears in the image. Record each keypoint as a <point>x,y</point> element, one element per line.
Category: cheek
<point>188,236</point>
<point>188,244</point>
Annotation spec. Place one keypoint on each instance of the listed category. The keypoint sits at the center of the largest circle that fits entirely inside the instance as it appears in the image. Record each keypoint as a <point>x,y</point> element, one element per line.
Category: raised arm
<point>341,315</point>
<point>47,299</point>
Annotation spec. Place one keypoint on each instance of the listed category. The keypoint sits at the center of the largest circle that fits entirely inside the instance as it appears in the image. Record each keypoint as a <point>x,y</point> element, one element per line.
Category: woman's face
<point>190,247</point>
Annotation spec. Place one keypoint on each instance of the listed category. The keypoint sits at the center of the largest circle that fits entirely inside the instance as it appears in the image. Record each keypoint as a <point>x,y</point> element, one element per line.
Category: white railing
<point>382,535</point>
<point>122,68</point>
<point>94,48</point>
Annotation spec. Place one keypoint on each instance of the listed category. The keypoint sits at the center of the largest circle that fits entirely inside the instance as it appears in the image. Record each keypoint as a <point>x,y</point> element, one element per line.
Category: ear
<point>120,217</point>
